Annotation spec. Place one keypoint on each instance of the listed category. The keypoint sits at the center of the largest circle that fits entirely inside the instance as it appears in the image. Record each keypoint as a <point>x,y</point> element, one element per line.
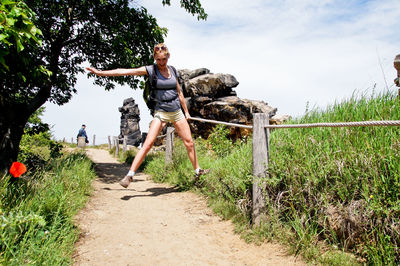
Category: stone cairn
<point>130,117</point>
<point>211,96</point>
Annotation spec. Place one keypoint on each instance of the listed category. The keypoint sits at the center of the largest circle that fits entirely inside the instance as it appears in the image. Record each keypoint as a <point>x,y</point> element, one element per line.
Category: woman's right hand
<point>93,70</point>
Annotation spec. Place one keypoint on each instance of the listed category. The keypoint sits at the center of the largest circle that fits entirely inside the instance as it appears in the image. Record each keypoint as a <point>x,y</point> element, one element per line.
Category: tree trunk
<point>12,123</point>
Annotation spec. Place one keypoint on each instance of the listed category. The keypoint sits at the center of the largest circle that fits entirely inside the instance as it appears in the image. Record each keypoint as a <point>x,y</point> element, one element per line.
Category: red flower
<point>17,169</point>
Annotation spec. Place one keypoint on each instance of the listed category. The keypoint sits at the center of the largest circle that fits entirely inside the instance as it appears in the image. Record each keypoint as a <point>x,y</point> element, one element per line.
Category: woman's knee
<point>147,146</point>
<point>189,144</point>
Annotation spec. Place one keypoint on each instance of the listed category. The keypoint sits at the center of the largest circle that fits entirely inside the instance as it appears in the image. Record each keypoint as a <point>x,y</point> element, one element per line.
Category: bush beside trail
<point>330,192</point>
<point>37,209</point>
<point>36,212</point>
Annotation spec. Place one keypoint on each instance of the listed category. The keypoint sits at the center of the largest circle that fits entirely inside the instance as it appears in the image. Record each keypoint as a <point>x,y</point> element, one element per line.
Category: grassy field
<point>332,193</point>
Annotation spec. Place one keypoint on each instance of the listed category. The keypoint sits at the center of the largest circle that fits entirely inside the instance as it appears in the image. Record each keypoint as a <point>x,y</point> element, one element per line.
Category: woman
<point>169,100</point>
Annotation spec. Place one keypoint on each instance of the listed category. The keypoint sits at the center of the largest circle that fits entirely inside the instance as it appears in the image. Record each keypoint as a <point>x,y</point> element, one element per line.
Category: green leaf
<point>10,21</point>
<point>20,47</point>
<point>3,63</point>
<point>3,36</point>
<point>45,71</point>
<point>7,2</point>
<point>2,18</point>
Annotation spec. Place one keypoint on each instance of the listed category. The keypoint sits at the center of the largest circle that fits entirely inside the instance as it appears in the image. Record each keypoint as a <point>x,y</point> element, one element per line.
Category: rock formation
<point>211,96</point>
<point>130,117</point>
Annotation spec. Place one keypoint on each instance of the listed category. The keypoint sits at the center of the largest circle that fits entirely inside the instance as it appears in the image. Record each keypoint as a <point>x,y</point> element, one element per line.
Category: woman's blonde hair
<point>160,48</point>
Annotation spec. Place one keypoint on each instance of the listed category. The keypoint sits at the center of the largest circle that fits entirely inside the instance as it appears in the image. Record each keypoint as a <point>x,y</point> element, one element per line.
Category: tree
<point>105,33</point>
<point>35,125</point>
<point>18,35</point>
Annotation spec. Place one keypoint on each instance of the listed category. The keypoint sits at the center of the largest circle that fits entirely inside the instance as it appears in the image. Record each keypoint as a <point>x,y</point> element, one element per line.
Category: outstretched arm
<point>140,71</point>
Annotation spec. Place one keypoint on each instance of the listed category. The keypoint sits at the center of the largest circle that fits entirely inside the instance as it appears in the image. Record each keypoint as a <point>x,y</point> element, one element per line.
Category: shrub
<point>219,141</point>
<point>36,146</point>
<point>36,213</point>
<point>37,149</point>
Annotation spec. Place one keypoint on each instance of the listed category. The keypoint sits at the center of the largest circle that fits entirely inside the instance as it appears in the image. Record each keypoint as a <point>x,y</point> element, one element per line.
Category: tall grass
<point>329,191</point>
<point>37,212</point>
<point>344,180</point>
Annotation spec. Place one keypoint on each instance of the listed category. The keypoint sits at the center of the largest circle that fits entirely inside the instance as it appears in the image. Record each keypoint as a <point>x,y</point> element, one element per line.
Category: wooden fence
<point>114,142</point>
<point>261,139</point>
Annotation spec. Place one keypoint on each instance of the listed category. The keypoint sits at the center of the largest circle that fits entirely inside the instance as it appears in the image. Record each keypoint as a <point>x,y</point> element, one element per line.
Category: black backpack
<point>150,85</point>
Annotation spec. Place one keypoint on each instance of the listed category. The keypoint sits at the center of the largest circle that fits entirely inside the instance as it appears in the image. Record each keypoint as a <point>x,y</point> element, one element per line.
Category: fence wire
<point>220,122</point>
<point>337,124</point>
<point>340,124</point>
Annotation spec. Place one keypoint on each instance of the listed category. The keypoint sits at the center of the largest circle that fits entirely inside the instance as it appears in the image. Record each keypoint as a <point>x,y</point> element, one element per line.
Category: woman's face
<point>161,59</point>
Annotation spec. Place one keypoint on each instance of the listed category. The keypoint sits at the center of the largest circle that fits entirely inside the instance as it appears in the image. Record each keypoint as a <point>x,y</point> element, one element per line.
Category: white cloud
<point>286,53</point>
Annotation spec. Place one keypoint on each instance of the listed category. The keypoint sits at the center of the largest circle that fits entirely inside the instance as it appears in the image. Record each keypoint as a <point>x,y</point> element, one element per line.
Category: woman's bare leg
<point>183,130</point>
<point>155,128</point>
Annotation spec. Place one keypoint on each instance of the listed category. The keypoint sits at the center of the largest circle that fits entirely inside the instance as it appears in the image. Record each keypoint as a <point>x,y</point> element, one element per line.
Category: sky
<point>294,55</point>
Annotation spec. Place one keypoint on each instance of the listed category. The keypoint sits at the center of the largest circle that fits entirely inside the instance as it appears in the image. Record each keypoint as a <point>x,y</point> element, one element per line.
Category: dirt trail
<point>154,224</point>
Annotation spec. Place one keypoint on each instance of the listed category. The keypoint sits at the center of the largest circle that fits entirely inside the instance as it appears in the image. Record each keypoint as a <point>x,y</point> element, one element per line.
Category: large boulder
<point>230,109</point>
<point>211,85</point>
<point>211,96</point>
<point>186,74</point>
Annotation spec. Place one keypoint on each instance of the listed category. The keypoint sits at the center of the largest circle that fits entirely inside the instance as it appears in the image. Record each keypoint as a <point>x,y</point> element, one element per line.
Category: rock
<point>211,85</point>
<point>130,117</point>
<point>230,109</point>
<point>279,119</point>
<point>186,74</point>
<point>211,96</point>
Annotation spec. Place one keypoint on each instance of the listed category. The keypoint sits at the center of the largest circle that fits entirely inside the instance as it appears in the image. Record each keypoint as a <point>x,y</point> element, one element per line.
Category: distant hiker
<point>82,133</point>
<point>169,100</point>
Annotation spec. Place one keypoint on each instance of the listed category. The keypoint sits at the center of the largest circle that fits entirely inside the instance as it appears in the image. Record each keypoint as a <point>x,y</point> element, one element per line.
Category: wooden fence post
<point>116,141</point>
<point>109,142</point>
<point>396,65</point>
<point>72,140</point>
<point>169,145</point>
<point>125,145</point>
<point>94,140</point>
<point>260,165</point>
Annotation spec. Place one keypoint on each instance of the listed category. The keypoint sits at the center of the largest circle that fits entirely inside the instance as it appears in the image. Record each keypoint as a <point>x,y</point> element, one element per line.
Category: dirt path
<point>154,224</point>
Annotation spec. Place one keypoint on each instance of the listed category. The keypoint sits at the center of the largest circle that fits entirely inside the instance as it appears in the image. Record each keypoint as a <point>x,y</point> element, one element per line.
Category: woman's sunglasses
<point>160,48</point>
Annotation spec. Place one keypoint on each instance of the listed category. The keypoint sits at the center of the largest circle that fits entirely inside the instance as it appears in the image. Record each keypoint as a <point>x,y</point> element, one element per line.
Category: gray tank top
<point>167,99</point>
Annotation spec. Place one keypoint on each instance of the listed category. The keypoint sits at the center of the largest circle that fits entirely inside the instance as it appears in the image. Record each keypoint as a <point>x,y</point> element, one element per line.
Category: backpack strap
<point>175,72</point>
<point>153,78</point>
